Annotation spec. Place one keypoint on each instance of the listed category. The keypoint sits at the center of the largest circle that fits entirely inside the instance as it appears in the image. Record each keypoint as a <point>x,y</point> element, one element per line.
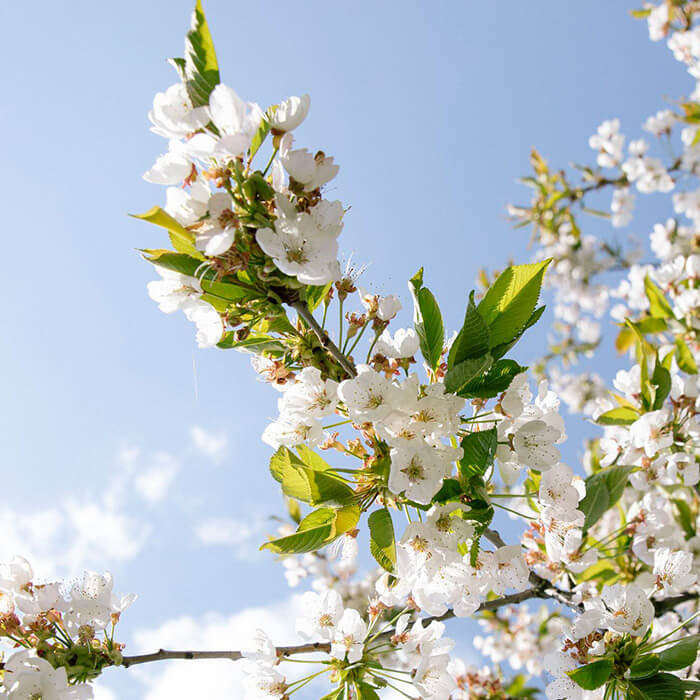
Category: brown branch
<point>541,589</point>
<point>282,652</point>
<point>542,585</point>
<point>303,310</point>
<point>166,654</point>
<point>668,604</point>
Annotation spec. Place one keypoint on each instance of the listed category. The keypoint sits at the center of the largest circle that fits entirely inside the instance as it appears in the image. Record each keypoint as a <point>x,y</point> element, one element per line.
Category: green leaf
<point>308,484</point>
<point>501,350</point>
<point>201,66</point>
<point>661,379</point>
<point>262,132</point>
<point>603,491</point>
<point>684,357</point>
<point>685,517</point>
<point>427,320</point>
<point>663,686</point>
<point>254,343</point>
<point>644,666</point>
<point>603,570</point>
<point>652,325</point>
<point>451,490</point>
<point>472,341</point>
<point>623,415</point>
<point>382,542</point>
<point>313,531</point>
<point>479,452</point>
<point>315,295</point>
<point>593,675</point>
<point>317,529</point>
<point>680,655</point>
<point>658,306</point>
<point>494,382</point>
<point>509,303</point>
<point>311,459</point>
<point>460,376</point>
<point>367,692</point>
<point>180,237</point>
<point>178,262</point>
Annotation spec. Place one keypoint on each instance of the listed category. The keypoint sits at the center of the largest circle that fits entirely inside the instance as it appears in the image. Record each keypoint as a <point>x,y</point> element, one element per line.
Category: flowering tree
<point>421,439</point>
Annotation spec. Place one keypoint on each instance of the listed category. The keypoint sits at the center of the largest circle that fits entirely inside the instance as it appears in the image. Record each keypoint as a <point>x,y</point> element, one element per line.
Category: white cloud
<point>213,445</point>
<point>224,531</point>
<point>100,692</point>
<point>153,483</point>
<point>97,531</point>
<point>214,680</point>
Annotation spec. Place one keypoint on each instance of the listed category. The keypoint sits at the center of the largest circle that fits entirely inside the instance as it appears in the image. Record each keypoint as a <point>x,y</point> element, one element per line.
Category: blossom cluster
<point>62,634</point>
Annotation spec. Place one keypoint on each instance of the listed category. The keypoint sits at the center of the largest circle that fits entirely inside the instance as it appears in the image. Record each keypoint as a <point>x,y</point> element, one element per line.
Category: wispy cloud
<point>213,445</point>
<point>225,531</point>
<point>153,483</point>
<point>214,680</point>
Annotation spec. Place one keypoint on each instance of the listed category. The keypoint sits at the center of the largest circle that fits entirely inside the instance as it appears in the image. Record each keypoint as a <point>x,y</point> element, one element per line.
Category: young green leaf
<point>177,262</point>
<point>603,491</point>
<point>382,542</point>
<point>644,666</point>
<point>509,303</point>
<point>262,132</point>
<point>494,382</point>
<point>318,528</point>
<point>684,357</point>
<point>680,655</point>
<point>658,306</point>
<point>662,686</point>
<point>180,237</point>
<point>201,66</point>
<point>661,379</point>
<point>622,415</point>
<point>313,531</point>
<point>460,376</point>
<point>306,483</point>
<point>450,490</point>
<point>427,320</point>
<point>479,452</point>
<point>253,343</point>
<point>593,675</point>
<point>503,348</point>
<point>473,340</point>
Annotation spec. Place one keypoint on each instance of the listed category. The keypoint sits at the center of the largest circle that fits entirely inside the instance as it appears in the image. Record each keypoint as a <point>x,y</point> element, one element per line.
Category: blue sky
<point>430,109</point>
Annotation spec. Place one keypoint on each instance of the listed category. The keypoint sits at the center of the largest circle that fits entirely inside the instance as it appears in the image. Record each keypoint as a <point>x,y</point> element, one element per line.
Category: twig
<point>303,310</point>
<point>668,604</point>
<point>166,654</point>
<point>544,587</point>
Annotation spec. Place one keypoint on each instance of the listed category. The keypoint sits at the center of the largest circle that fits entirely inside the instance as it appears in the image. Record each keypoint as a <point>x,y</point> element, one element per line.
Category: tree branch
<point>166,654</point>
<point>282,652</point>
<point>541,589</point>
<point>303,310</point>
<point>542,585</point>
<point>668,604</point>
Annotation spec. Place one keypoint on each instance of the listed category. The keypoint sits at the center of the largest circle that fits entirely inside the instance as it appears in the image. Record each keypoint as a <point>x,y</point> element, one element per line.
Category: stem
<point>514,512</point>
<point>357,340</point>
<point>303,310</point>
<point>269,162</point>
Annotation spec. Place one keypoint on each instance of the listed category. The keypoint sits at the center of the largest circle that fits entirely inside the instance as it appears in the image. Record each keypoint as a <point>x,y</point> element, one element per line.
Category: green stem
<point>269,162</point>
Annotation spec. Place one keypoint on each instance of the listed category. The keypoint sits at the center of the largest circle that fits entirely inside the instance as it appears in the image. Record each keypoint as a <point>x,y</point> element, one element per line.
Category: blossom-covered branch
<point>428,438</point>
